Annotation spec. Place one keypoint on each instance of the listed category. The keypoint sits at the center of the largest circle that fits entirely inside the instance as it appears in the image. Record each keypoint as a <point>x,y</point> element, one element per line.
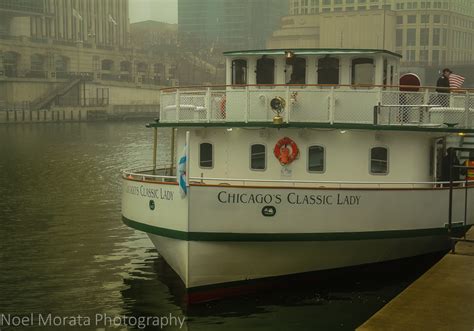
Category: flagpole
<point>187,158</point>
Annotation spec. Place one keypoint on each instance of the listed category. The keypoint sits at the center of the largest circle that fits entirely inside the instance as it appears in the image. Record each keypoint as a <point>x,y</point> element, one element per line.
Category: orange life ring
<point>283,153</point>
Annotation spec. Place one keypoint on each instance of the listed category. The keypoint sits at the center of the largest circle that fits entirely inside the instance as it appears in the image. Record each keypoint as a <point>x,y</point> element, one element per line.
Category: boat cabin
<point>331,67</point>
<point>326,115</point>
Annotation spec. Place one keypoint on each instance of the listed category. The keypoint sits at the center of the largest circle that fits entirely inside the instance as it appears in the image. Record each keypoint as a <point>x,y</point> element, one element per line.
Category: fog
<point>159,10</point>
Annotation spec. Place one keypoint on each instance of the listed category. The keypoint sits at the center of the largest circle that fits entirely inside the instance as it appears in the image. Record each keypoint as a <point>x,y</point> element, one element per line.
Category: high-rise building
<point>97,22</point>
<point>229,24</point>
<point>427,32</point>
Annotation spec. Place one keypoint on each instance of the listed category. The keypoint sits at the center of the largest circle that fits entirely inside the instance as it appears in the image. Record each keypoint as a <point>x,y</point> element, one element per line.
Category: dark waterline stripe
<point>268,237</point>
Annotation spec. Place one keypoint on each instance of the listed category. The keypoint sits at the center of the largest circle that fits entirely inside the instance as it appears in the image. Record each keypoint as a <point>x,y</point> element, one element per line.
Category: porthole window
<point>328,71</point>
<point>206,155</point>
<point>316,162</point>
<point>258,158</point>
<point>363,71</point>
<point>379,161</point>
<point>239,72</point>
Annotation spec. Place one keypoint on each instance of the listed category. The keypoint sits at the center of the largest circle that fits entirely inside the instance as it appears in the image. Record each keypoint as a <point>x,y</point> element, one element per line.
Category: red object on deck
<point>408,80</point>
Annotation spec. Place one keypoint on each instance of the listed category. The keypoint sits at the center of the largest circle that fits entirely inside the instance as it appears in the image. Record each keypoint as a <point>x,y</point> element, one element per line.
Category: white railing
<point>319,104</point>
<point>148,176</point>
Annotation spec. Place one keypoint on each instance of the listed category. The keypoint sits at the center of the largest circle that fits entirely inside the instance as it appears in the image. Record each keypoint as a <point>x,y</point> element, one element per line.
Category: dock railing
<point>379,105</point>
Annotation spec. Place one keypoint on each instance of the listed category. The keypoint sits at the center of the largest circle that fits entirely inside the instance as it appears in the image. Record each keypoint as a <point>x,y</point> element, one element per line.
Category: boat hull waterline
<point>226,235</point>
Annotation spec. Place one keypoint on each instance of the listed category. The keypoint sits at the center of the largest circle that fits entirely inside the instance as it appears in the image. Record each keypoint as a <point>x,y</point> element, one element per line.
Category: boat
<point>307,160</point>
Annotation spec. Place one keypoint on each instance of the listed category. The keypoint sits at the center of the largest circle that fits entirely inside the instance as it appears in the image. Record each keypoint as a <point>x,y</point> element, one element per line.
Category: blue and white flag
<point>182,172</point>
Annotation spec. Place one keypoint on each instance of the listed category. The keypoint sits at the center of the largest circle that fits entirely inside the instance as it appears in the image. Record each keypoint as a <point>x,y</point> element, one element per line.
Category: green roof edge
<point>303,125</point>
<point>296,50</point>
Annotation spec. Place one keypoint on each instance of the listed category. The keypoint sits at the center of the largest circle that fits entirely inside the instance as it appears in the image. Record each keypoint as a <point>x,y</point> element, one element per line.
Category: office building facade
<point>229,24</point>
<point>427,32</point>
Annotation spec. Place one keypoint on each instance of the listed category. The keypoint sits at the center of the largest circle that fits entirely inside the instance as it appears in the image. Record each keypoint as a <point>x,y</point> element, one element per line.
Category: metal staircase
<point>467,141</point>
<point>46,100</point>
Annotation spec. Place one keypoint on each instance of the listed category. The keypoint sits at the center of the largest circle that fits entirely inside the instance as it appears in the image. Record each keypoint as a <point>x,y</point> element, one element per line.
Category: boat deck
<point>441,299</point>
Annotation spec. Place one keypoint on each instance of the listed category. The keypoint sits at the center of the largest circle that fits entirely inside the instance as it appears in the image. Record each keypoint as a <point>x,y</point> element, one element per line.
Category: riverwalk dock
<point>441,299</point>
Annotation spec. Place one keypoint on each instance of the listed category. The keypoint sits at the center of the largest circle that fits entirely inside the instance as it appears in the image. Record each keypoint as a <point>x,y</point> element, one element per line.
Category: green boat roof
<point>311,51</point>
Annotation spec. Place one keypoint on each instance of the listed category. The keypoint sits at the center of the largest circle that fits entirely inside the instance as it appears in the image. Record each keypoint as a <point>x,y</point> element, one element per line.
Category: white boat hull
<point>209,238</point>
<point>227,262</point>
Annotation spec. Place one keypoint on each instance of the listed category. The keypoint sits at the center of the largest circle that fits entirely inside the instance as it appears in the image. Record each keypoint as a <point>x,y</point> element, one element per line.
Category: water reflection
<point>327,302</point>
<point>64,250</point>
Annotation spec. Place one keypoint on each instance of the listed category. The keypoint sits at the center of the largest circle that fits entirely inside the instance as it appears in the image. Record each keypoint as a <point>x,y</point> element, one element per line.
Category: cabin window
<point>265,71</point>
<point>206,155</point>
<point>316,162</point>
<point>392,76</point>
<point>239,72</point>
<point>258,159</point>
<point>385,72</point>
<point>363,71</point>
<point>296,70</point>
<point>379,161</point>
<point>328,71</point>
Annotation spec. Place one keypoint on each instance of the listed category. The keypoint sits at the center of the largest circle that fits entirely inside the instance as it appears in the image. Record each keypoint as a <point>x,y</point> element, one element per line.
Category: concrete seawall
<point>75,114</point>
<point>38,116</point>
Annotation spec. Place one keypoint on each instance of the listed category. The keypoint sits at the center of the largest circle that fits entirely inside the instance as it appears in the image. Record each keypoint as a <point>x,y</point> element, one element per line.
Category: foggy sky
<point>158,10</point>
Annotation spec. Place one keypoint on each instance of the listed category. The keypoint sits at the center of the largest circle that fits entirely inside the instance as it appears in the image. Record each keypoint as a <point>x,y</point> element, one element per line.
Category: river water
<point>64,250</point>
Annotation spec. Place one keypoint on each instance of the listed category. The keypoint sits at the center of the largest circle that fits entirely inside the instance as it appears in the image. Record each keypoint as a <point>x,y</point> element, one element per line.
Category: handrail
<point>170,89</point>
<point>135,173</point>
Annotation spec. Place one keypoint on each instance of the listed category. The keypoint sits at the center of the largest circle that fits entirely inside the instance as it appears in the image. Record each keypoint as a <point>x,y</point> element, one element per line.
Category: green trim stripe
<point>311,51</point>
<point>302,125</point>
<point>268,237</point>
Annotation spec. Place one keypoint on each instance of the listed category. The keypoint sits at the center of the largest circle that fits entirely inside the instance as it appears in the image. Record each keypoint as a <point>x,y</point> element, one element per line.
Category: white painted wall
<point>347,154</point>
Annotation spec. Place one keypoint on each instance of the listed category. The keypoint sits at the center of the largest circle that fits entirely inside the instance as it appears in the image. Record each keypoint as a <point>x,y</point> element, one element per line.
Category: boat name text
<point>292,198</point>
<point>152,193</point>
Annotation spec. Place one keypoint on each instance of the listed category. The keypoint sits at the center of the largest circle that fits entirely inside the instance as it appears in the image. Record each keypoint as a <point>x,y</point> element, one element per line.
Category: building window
<point>363,71</point>
<point>239,72</point>
<point>37,63</point>
<point>296,71</point>
<point>10,63</point>
<point>316,159</point>
<point>425,18</point>
<point>126,66</point>
<point>258,157</point>
<point>379,161</point>
<point>142,67</point>
<point>411,55</point>
<point>423,56</point>
<point>436,37</point>
<point>61,64</point>
<point>399,38</point>
<point>265,71</point>
<point>107,65</point>
<point>424,36</point>
<point>435,56</point>
<point>411,19</point>
<point>400,19</point>
<point>206,155</point>
<point>411,37</point>
<point>436,19</point>
<point>328,71</point>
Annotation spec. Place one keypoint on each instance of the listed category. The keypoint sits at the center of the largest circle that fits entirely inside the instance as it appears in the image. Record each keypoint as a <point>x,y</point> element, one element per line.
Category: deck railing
<point>380,105</point>
<point>163,176</point>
